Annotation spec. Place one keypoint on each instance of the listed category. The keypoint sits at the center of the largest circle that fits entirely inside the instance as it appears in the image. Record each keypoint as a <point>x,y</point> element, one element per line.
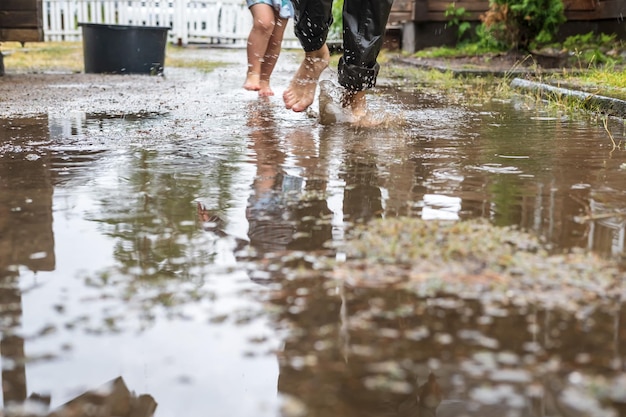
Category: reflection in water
<point>362,196</point>
<point>606,219</point>
<point>111,399</point>
<point>287,208</point>
<point>26,237</point>
<point>547,168</point>
<point>359,352</point>
<point>26,185</point>
<point>363,355</point>
<point>163,235</point>
<point>14,389</point>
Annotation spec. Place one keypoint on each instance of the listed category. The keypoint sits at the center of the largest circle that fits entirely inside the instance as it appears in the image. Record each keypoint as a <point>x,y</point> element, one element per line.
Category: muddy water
<point>149,242</point>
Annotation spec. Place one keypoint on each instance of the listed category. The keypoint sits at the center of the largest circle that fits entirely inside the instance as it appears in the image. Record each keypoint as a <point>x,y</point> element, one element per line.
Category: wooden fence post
<point>180,29</point>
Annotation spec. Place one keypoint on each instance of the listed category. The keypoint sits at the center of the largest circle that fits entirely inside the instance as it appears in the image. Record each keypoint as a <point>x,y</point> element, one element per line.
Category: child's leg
<point>263,24</point>
<point>271,56</point>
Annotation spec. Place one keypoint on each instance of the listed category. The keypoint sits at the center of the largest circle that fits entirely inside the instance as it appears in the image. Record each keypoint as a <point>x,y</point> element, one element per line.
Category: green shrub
<point>591,49</point>
<point>523,24</point>
<point>336,29</point>
<point>456,17</point>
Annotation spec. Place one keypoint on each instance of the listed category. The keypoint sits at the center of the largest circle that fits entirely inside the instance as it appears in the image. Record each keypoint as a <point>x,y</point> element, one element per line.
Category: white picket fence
<point>190,21</point>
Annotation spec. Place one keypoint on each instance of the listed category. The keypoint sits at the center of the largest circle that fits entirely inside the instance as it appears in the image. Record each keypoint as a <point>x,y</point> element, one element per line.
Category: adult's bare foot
<point>355,101</point>
<point>301,91</point>
<point>357,104</point>
<point>252,82</point>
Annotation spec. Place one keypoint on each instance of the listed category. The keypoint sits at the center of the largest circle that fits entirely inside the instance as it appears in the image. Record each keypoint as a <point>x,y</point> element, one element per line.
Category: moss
<point>473,255</point>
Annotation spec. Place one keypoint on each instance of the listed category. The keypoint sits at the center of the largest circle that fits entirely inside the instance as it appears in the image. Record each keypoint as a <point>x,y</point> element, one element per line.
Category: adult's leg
<point>312,21</point>
<point>311,24</point>
<point>364,25</point>
<point>263,23</point>
<point>271,56</point>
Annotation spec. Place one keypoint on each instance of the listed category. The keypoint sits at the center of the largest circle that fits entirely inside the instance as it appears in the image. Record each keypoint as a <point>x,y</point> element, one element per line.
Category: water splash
<point>332,112</point>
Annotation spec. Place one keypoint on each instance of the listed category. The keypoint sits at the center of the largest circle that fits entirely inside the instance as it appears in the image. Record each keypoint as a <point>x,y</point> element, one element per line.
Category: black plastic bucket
<point>122,49</point>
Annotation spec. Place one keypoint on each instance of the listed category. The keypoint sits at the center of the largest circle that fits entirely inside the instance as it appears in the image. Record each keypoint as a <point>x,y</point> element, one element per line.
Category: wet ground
<point>168,230</point>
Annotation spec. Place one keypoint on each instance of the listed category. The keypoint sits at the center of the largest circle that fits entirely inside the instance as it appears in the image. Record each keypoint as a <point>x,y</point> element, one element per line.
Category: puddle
<point>159,247</point>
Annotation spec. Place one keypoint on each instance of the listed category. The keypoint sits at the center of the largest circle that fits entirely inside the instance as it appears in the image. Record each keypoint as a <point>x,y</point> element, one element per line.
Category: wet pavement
<point>151,228</point>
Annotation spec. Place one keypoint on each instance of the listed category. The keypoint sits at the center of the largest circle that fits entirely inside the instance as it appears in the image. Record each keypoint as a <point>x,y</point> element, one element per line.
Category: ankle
<point>350,98</point>
<point>321,55</point>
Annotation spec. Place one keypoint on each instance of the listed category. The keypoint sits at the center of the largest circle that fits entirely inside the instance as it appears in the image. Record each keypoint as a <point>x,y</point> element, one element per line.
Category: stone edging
<point>462,70</point>
<point>607,105</point>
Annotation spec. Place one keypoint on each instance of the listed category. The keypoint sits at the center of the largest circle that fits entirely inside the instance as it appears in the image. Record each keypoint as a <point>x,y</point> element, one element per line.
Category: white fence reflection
<point>225,22</point>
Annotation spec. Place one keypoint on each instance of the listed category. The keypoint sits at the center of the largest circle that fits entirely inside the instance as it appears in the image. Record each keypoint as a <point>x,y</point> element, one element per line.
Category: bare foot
<point>252,82</point>
<point>355,101</point>
<point>357,104</point>
<point>265,90</point>
<point>301,91</point>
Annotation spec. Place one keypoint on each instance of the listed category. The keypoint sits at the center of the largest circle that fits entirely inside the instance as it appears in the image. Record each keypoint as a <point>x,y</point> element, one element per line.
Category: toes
<point>289,99</point>
<point>298,107</point>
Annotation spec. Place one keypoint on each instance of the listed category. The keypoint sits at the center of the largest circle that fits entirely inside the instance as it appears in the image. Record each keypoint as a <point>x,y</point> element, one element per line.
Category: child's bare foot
<point>265,90</point>
<point>301,91</point>
<point>252,82</point>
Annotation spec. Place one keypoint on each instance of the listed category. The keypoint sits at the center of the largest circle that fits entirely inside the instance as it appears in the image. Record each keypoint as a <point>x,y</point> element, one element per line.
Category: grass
<point>607,81</point>
<point>457,89</point>
<point>467,49</point>
<point>594,66</point>
<point>595,57</point>
<point>175,58</point>
<point>617,79</point>
<point>38,57</point>
<point>43,56</point>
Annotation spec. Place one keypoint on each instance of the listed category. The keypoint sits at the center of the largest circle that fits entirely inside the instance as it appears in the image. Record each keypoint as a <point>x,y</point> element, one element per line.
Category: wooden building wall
<point>434,10</point>
<point>420,24</point>
<point>21,20</point>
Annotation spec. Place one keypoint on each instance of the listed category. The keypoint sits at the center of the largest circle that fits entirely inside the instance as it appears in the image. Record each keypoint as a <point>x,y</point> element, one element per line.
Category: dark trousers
<point>364,23</point>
